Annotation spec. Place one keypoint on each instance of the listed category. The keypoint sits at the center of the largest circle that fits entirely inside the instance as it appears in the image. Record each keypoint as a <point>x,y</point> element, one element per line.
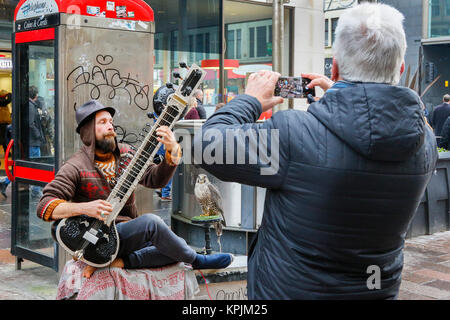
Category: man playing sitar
<point>85,180</point>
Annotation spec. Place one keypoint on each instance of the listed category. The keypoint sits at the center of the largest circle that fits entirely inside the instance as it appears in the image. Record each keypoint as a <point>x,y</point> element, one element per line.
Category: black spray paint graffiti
<point>124,137</point>
<point>104,77</point>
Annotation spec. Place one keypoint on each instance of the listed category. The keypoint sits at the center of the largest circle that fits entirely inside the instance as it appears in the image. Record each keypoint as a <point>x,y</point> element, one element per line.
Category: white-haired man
<point>198,94</point>
<point>352,169</point>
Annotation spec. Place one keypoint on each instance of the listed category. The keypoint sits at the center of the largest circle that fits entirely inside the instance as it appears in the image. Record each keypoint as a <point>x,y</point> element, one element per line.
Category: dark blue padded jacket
<point>351,174</point>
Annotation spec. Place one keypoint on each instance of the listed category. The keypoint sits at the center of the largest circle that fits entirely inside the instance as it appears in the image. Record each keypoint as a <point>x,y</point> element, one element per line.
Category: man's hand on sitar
<point>167,137</point>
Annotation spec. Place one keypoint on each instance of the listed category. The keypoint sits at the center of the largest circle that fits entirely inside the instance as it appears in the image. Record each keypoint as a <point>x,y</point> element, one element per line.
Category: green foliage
<point>442,150</point>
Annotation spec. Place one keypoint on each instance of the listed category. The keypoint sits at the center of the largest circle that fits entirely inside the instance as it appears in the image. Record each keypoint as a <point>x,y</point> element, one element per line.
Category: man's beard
<point>107,144</point>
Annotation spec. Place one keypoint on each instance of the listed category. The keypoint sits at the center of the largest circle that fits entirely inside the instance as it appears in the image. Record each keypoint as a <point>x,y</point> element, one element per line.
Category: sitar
<point>96,242</point>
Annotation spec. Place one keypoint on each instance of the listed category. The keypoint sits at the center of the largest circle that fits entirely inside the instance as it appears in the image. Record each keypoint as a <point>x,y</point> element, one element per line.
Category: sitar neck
<point>138,165</point>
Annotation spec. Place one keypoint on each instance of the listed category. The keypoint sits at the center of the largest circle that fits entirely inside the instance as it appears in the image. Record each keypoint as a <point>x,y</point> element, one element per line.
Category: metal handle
<point>9,162</point>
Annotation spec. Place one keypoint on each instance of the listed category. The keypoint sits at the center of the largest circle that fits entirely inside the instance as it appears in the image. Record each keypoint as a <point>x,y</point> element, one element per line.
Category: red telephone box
<point>66,52</point>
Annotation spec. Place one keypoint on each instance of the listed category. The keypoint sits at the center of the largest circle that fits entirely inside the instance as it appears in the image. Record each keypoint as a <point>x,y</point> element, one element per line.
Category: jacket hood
<point>87,135</point>
<point>379,121</point>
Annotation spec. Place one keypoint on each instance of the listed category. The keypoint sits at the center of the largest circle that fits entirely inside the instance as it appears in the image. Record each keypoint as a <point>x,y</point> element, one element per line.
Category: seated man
<point>88,177</point>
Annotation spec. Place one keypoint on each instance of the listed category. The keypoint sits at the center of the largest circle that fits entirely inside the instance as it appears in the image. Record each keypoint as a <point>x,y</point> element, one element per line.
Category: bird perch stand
<point>206,222</point>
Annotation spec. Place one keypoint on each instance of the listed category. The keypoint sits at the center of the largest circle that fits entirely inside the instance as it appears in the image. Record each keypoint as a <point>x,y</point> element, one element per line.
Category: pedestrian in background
<point>444,141</point>
<point>198,94</point>
<point>440,114</point>
<point>5,115</point>
<point>5,182</point>
<point>192,113</point>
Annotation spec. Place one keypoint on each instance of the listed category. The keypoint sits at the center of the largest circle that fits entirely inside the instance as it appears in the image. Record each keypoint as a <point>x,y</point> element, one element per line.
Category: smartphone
<point>293,87</point>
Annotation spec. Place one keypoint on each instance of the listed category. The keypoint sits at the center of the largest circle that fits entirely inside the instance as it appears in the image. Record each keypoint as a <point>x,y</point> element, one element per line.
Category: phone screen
<point>293,87</point>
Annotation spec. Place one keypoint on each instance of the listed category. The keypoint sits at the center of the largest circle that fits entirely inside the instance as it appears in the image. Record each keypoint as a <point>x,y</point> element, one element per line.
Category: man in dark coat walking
<point>343,180</point>
<point>440,114</point>
<point>37,136</point>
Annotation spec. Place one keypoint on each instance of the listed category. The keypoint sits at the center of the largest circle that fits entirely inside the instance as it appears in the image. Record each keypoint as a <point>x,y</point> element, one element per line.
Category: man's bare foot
<point>88,271</point>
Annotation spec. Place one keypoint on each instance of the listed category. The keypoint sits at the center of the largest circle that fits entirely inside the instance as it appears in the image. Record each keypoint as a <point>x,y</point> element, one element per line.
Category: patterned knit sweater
<point>106,163</point>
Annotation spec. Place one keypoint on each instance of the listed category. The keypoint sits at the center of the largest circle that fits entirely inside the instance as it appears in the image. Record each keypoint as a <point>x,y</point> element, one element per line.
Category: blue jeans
<point>35,152</point>
<point>147,242</point>
<point>165,192</point>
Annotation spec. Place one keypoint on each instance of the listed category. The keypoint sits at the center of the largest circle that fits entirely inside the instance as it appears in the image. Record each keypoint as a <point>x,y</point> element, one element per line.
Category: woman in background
<point>192,113</point>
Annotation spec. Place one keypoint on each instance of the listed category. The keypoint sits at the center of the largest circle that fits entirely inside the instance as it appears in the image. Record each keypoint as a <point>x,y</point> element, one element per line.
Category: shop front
<point>191,31</point>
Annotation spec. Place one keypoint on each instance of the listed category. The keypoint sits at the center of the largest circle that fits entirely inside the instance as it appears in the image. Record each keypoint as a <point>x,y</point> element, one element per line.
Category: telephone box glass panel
<point>37,79</point>
<point>33,232</point>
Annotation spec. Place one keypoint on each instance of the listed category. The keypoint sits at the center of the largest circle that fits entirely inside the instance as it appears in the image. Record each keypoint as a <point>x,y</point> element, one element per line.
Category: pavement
<point>426,273</point>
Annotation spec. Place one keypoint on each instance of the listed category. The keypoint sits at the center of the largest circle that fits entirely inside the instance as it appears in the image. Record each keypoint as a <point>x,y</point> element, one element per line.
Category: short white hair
<point>197,92</point>
<point>370,43</point>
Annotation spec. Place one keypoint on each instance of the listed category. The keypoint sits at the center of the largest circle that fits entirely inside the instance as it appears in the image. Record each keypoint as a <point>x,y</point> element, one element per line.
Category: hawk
<point>210,200</point>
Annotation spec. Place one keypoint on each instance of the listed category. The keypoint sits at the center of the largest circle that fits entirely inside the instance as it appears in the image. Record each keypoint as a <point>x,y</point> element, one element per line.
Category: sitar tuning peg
<point>184,65</point>
<point>177,75</point>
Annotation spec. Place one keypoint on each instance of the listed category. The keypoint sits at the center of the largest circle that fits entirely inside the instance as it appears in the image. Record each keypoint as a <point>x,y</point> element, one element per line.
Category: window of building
<point>326,33</point>
<point>252,42</point>
<point>238,43</point>
<point>439,17</point>
<point>435,8</point>
<point>230,44</point>
<point>257,37</point>
<point>334,22</point>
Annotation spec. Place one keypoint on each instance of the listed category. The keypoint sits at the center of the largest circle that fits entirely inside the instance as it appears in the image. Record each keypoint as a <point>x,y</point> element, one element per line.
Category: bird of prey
<point>210,200</point>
